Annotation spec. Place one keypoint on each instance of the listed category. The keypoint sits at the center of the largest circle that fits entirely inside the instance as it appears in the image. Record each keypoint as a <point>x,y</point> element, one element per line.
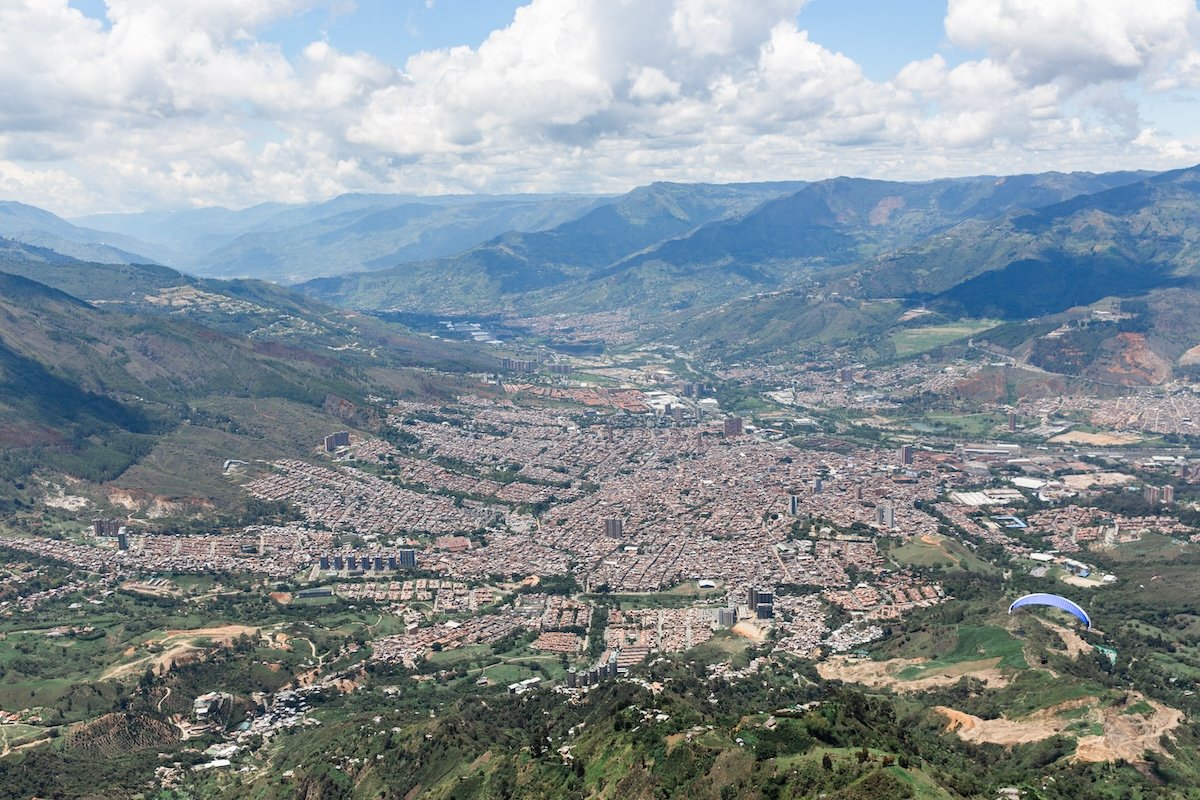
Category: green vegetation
<point>913,341</point>
<point>938,551</point>
<point>974,644</point>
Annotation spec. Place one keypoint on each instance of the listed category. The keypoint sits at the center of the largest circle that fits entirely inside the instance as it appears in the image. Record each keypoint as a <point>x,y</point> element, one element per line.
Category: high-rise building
<point>756,598</point>
<point>335,440</point>
<point>733,426</point>
<point>614,528</point>
<point>324,562</point>
<point>1012,422</point>
<point>885,515</point>
<point>379,563</point>
<point>906,454</point>
<point>339,563</point>
<point>105,527</point>
<point>1151,494</point>
<point>122,540</point>
<point>794,505</point>
<point>847,375</point>
<point>818,486</point>
<point>408,558</point>
<point>726,617</point>
<point>1167,493</point>
<point>764,610</point>
<point>519,365</point>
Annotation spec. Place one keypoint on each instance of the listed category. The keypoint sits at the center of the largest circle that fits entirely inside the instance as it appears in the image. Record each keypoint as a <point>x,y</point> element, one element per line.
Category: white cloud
<point>1079,41</point>
<point>184,101</point>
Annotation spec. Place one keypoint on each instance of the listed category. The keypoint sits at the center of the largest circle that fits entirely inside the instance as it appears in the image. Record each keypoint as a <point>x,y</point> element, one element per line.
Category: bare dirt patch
<point>1129,736</point>
<point>224,634</point>
<point>748,631</point>
<point>1074,643</point>
<point>1079,482</point>
<point>1192,356</point>
<point>180,648</point>
<point>169,590</point>
<point>1098,439</point>
<point>885,674</point>
<point>1126,736</point>
<point>883,210</point>
<point>973,729</point>
<point>1134,363</point>
<point>57,497</point>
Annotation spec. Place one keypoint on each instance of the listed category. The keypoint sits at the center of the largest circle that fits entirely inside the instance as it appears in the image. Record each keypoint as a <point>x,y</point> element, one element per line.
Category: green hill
<point>91,389</point>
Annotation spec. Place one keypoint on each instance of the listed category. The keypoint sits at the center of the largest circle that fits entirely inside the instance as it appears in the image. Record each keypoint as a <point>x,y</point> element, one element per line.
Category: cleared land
<point>910,341</point>
<point>749,631</point>
<point>930,549</point>
<point>1079,482</point>
<point>1125,735</point>
<point>1097,439</point>
<point>986,652</point>
<point>176,644</point>
<point>896,674</point>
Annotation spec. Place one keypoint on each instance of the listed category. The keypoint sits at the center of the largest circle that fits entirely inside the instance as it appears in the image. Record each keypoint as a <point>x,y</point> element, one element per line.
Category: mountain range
<point>670,246</point>
<point>148,378</point>
<point>742,269</point>
<point>291,243</point>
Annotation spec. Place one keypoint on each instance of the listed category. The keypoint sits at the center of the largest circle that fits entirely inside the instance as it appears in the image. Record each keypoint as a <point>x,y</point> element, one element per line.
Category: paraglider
<point>1057,601</point>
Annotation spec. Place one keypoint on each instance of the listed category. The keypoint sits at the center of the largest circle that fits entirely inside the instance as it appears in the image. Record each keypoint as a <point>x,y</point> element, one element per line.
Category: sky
<point>127,105</point>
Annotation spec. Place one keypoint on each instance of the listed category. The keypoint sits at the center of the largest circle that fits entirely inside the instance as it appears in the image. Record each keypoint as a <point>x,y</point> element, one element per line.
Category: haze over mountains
<point>351,232</point>
<point>749,267</point>
<point>106,365</point>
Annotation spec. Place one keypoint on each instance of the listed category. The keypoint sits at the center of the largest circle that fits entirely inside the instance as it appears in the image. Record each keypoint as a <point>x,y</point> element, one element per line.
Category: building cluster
<point>417,644</point>
<point>348,499</point>
<point>635,633</point>
<point>800,620</point>
<point>520,365</point>
<point>1071,528</point>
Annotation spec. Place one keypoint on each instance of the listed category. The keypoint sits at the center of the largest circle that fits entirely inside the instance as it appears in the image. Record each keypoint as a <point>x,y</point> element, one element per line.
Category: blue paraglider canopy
<point>1054,600</point>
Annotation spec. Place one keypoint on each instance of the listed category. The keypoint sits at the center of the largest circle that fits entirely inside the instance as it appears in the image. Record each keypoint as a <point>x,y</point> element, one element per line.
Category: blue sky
<point>393,30</point>
<point>134,104</point>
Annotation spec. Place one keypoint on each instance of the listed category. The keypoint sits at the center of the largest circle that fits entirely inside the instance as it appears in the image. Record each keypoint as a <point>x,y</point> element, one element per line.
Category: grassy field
<point>927,551</point>
<point>13,735</point>
<point>970,425</point>
<point>911,341</point>
<point>1034,689</point>
<point>654,599</point>
<point>724,646</point>
<point>974,643</point>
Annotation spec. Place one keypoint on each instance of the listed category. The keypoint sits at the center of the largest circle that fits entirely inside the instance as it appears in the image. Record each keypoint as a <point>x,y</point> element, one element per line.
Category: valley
<point>600,540</point>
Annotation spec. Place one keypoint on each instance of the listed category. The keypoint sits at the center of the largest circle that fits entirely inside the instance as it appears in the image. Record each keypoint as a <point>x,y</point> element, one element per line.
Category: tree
<point>826,762</point>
